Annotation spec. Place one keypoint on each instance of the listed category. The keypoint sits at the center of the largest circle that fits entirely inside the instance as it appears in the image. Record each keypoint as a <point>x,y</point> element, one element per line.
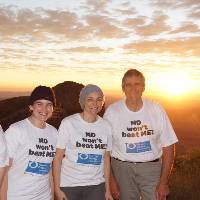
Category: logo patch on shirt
<point>93,159</point>
<point>38,168</point>
<point>139,147</point>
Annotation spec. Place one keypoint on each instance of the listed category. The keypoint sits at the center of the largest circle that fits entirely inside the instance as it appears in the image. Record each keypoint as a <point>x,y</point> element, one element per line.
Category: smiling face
<point>93,103</point>
<point>41,110</point>
<point>133,87</point>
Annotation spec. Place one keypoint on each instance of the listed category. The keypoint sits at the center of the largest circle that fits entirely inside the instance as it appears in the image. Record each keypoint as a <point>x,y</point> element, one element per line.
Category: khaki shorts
<point>136,180</point>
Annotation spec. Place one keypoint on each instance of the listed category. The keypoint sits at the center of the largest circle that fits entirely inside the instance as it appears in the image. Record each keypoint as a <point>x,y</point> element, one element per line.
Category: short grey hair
<point>88,89</point>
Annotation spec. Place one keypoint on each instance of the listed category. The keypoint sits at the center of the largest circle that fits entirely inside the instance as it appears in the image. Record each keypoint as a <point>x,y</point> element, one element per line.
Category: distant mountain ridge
<point>8,94</point>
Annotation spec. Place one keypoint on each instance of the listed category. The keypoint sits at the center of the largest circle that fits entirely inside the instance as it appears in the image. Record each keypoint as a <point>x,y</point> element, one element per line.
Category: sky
<point>95,41</point>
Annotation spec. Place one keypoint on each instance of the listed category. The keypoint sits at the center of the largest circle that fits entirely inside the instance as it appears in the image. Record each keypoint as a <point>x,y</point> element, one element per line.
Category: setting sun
<point>173,84</point>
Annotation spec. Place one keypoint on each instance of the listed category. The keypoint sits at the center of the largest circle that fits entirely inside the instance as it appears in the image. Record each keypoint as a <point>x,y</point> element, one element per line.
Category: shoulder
<point>153,105</point>
<point>17,130</point>
<point>116,105</point>
<point>104,122</point>
<point>18,125</point>
<point>52,128</point>
<point>70,118</point>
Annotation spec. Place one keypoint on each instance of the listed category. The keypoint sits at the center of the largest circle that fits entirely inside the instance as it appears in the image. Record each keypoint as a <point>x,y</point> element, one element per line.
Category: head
<point>133,84</point>
<point>41,103</point>
<point>91,98</point>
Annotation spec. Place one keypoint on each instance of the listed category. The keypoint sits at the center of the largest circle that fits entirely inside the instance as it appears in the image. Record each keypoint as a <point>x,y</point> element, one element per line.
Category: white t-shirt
<point>3,150</point>
<point>139,136</point>
<point>32,150</point>
<point>85,145</point>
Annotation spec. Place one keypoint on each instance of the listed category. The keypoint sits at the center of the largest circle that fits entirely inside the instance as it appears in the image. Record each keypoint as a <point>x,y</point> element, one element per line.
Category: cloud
<point>130,11</point>
<point>37,22</point>
<point>175,4</point>
<point>103,27</point>
<point>187,27</point>
<point>41,23</point>
<point>189,3</point>
<point>195,13</point>
<point>97,5</point>
<point>157,26</point>
<point>181,47</point>
<point>164,3</point>
<point>132,22</point>
<point>82,49</point>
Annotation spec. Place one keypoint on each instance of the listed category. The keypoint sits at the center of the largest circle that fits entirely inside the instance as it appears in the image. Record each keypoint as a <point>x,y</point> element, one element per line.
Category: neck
<point>134,105</point>
<point>37,123</point>
<point>88,117</point>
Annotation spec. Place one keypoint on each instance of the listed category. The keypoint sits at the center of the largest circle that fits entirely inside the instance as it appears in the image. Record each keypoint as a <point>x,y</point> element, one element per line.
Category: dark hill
<point>12,110</point>
<point>67,94</point>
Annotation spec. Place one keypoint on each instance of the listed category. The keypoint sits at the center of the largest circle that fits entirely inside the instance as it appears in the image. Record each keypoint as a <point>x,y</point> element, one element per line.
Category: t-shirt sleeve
<point>63,135</point>
<point>3,150</point>
<point>109,137</point>
<point>12,136</point>
<point>168,136</point>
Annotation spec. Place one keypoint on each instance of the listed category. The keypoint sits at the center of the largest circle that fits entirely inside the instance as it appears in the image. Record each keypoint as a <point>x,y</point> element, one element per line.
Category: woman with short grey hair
<point>82,161</point>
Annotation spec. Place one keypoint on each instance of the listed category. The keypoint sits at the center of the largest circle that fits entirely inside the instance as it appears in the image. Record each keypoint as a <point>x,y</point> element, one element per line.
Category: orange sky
<point>92,41</point>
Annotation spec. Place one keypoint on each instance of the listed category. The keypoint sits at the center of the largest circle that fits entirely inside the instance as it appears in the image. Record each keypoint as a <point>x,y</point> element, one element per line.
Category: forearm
<point>57,171</point>
<point>107,170</point>
<point>4,185</point>
<point>167,163</point>
<point>51,184</point>
<point>2,174</point>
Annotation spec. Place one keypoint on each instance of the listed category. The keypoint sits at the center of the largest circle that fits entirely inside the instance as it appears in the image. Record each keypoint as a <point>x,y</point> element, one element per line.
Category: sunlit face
<point>93,103</point>
<point>133,87</point>
<point>41,110</point>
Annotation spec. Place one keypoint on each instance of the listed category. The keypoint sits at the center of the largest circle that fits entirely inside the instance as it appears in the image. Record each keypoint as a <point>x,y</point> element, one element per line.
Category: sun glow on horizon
<point>173,84</point>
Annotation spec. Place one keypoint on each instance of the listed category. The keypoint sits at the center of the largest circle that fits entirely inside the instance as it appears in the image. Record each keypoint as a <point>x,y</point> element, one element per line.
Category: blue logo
<point>38,168</point>
<point>93,159</point>
<point>138,147</point>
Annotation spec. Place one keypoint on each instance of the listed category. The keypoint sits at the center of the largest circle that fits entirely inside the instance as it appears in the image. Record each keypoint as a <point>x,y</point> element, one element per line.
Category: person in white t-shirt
<point>31,147</point>
<point>143,143</point>
<point>82,163</point>
<point>3,156</point>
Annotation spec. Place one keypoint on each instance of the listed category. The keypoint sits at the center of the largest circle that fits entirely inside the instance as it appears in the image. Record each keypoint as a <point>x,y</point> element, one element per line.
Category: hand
<point>108,196</point>
<point>114,189</point>
<point>60,195</point>
<point>162,190</point>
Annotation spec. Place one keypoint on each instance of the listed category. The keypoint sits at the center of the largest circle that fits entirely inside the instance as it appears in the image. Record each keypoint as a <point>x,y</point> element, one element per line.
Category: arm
<point>4,183</point>
<point>107,175</point>
<point>162,189</point>
<point>56,174</point>
<point>114,188</point>
<point>4,186</point>
<point>51,184</point>
<point>2,174</point>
